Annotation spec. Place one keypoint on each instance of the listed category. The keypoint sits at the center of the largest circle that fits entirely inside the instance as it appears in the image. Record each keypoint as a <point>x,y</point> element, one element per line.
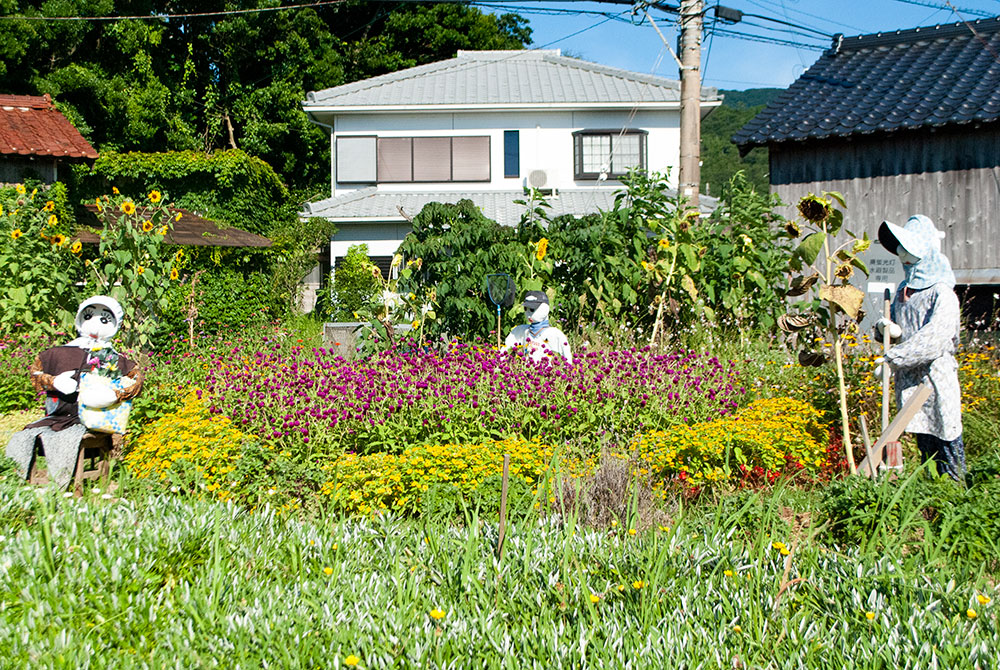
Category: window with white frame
<point>610,152</point>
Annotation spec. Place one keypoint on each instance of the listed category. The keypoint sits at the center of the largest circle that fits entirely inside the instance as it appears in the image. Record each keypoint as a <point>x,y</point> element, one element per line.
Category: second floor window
<point>607,151</point>
<point>412,159</point>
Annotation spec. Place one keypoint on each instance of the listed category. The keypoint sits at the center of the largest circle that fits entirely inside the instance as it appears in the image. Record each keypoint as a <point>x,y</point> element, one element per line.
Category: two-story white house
<point>482,126</point>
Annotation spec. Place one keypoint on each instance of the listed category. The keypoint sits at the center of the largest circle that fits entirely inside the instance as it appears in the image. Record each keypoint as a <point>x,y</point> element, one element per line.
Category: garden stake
<point>503,505</point>
<point>867,440</point>
<point>893,450</point>
<point>500,291</point>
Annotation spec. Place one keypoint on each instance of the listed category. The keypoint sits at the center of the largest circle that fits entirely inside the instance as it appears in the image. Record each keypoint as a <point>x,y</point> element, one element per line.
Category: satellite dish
<point>537,179</point>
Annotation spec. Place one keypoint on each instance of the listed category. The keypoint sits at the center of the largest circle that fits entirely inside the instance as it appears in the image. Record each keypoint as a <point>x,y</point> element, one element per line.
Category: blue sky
<point>731,62</point>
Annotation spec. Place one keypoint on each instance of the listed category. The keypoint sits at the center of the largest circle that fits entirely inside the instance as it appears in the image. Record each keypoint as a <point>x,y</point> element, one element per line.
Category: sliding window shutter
<point>355,160</point>
<point>431,159</point>
<point>470,158</point>
<point>395,159</point>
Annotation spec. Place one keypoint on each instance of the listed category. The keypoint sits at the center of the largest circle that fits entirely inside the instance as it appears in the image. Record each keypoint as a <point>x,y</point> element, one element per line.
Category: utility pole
<point>690,57</point>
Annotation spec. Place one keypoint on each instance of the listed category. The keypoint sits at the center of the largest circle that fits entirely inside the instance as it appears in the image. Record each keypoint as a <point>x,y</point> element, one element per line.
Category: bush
<point>16,355</point>
<point>226,300</point>
<point>759,442</point>
<point>354,284</point>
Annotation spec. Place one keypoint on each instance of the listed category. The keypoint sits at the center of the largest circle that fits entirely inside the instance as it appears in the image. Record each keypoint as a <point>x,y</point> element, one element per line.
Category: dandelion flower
<point>621,587</point>
<point>870,615</point>
<point>983,599</point>
<point>155,196</point>
<point>665,529</point>
<point>971,613</point>
<point>638,584</point>
<point>727,573</point>
<point>351,661</point>
<point>778,545</point>
<point>437,614</point>
<point>784,551</point>
<point>594,598</point>
<point>737,629</point>
<point>632,531</point>
<point>328,571</point>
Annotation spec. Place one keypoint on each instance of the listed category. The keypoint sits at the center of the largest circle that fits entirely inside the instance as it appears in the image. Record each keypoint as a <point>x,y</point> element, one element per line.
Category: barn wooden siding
<point>952,177</point>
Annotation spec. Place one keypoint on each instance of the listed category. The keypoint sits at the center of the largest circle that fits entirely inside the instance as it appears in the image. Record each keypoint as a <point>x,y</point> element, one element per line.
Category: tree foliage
<point>224,82</point>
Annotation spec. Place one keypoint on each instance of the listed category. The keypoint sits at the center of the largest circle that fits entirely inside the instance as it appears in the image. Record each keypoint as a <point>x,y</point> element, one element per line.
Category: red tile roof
<point>30,125</point>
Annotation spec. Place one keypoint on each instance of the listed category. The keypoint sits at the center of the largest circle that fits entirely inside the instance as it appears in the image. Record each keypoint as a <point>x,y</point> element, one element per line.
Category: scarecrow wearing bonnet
<point>926,319</point>
<point>56,373</point>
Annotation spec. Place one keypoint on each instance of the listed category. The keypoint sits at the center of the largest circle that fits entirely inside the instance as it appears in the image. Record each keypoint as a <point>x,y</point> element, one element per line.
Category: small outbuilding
<point>901,123</point>
<point>36,139</point>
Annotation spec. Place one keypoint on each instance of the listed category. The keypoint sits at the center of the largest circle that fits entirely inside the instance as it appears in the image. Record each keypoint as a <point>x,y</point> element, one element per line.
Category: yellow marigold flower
<point>594,598</point>
<point>114,189</point>
<point>869,615</point>
<point>20,189</point>
<point>351,661</point>
<point>53,220</point>
<point>541,248</point>
<point>49,206</point>
<point>128,207</point>
<point>437,614</point>
<point>77,247</point>
<point>147,226</point>
<point>16,233</point>
<point>155,196</point>
<point>971,613</point>
<point>983,599</point>
<point>328,571</point>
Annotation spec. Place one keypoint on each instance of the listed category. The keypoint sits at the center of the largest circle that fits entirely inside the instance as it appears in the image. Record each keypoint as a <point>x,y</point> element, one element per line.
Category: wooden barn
<point>901,123</point>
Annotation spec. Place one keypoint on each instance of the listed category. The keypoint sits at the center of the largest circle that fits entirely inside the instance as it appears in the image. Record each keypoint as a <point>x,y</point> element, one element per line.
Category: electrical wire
<point>938,5</point>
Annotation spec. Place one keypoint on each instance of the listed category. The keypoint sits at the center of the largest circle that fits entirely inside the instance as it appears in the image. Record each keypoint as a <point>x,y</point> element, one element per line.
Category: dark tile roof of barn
<point>935,76</point>
<point>30,125</point>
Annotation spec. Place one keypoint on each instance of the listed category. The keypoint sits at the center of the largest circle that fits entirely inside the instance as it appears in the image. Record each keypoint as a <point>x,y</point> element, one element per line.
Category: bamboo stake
<point>867,440</point>
<point>503,505</point>
<point>886,338</point>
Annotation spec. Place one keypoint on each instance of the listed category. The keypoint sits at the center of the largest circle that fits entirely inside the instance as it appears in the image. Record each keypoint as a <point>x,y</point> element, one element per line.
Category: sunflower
<point>664,243</point>
<point>49,206</point>
<point>53,219</point>
<point>114,189</point>
<point>77,247</point>
<point>155,196</point>
<point>16,233</point>
<point>162,230</point>
<point>97,201</point>
<point>128,207</point>
<point>174,274</point>
<point>20,189</point>
<point>179,255</point>
<point>543,246</point>
<point>58,240</point>
<point>147,226</point>
<point>178,217</point>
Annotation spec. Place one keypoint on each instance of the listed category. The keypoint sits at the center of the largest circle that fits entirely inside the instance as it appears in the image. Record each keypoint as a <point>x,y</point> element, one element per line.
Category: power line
<point>161,17</point>
<point>768,40</point>
<point>944,7</point>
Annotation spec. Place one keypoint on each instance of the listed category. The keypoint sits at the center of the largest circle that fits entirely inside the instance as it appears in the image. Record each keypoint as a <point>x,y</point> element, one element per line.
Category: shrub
<point>760,441</point>
<point>354,284</point>
<point>16,355</point>
<point>226,300</point>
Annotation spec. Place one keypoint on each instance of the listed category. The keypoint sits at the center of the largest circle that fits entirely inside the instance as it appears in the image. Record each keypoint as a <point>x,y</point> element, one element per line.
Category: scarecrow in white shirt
<point>537,337</point>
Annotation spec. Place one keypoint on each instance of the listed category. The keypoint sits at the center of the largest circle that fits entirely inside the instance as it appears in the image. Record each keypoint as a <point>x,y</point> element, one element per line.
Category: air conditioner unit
<point>538,179</point>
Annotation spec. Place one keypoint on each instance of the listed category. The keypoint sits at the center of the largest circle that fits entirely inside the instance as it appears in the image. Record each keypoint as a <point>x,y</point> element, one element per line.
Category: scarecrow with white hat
<point>538,337</point>
<point>926,320</point>
<point>56,372</point>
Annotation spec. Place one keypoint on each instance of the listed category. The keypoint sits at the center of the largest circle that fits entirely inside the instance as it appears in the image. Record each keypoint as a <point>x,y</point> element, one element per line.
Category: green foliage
<point>721,158</point>
<point>232,187</point>
<point>354,283</point>
<point>295,249</point>
<point>38,265</point>
<point>745,258</point>
<point>132,264</point>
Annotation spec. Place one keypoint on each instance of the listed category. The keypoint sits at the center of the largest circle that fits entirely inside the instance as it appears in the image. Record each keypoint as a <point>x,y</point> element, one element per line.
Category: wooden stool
<point>95,447</point>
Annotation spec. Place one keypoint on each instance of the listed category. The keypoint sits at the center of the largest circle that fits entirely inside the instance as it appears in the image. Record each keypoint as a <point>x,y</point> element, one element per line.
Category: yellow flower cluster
<point>190,438</point>
<point>769,434</point>
<point>363,484</point>
<point>977,372</point>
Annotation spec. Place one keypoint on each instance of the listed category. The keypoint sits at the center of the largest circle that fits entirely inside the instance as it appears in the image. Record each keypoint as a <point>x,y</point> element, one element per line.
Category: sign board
<point>884,272</point>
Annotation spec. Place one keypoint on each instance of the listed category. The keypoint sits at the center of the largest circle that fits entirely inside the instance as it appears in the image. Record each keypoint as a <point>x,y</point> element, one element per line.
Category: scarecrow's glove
<point>881,368</point>
<point>64,382</point>
<point>894,329</point>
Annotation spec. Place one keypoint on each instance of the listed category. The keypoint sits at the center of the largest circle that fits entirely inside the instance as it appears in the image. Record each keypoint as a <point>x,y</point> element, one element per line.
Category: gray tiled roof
<point>504,77</point>
<point>374,205</point>
<point>924,77</point>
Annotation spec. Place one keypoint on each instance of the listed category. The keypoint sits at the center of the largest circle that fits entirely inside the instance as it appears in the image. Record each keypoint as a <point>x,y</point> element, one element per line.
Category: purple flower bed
<point>308,400</point>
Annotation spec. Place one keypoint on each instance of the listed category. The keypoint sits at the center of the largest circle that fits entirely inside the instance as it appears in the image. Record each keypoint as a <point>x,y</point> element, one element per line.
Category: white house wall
<point>546,141</point>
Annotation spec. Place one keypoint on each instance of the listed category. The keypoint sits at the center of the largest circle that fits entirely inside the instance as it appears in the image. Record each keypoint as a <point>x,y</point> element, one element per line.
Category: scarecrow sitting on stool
<point>57,372</point>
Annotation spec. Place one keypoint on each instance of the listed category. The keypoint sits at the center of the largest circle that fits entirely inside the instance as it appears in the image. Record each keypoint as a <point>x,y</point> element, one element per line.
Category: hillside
<point>720,157</point>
